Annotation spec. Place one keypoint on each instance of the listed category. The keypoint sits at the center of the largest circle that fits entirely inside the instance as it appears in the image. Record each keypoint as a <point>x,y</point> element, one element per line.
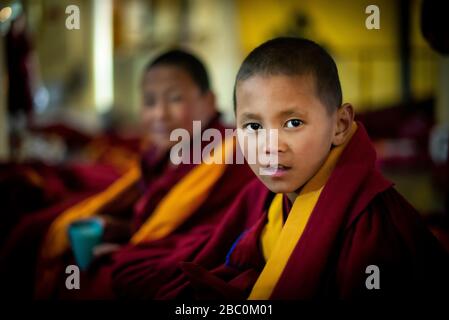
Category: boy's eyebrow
<point>292,111</point>
<point>284,113</point>
<point>171,87</point>
<point>249,115</point>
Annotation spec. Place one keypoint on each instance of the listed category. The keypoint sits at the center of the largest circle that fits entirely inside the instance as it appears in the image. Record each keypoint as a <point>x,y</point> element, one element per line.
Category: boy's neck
<point>292,196</point>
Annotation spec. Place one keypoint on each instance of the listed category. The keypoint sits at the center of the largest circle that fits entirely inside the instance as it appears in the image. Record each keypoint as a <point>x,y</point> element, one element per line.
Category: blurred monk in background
<point>174,207</point>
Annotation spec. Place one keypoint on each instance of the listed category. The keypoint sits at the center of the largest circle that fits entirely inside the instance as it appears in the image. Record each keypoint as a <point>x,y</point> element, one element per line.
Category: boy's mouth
<point>275,171</point>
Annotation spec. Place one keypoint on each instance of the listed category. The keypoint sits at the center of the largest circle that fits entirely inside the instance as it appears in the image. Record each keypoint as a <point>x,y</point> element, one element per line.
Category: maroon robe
<point>28,188</point>
<point>64,187</point>
<point>359,220</point>
<point>29,207</point>
<point>185,241</point>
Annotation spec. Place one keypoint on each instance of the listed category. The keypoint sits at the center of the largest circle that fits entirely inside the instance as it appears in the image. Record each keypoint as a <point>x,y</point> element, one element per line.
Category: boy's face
<point>171,100</point>
<point>305,128</point>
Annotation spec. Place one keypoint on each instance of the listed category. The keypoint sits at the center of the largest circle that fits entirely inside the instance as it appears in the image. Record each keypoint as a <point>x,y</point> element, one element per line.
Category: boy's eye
<point>293,123</point>
<point>252,127</point>
<point>175,98</point>
<point>148,99</point>
<point>148,103</point>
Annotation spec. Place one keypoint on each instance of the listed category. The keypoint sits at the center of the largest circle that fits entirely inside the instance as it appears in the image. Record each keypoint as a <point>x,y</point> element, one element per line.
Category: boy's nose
<point>161,110</point>
<point>272,144</point>
<point>270,149</point>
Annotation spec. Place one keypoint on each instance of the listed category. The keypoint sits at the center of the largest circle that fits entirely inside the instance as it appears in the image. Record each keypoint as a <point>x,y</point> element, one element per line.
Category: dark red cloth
<point>158,178</point>
<point>19,253</point>
<point>359,220</point>
<point>141,272</point>
<point>156,259</point>
<point>63,187</point>
<point>28,188</point>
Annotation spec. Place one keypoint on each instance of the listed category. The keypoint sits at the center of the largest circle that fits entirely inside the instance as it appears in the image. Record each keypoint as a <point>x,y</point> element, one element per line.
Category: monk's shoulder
<point>390,211</point>
<point>389,216</point>
<point>390,236</point>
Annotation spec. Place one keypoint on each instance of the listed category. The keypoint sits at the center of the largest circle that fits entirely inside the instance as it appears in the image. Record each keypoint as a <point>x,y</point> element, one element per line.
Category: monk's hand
<point>105,249</point>
<point>115,230</point>
<point>207,286</point>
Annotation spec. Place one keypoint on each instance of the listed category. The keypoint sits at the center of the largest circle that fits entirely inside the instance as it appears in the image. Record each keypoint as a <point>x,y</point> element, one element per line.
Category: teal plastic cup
<point>84,235</point>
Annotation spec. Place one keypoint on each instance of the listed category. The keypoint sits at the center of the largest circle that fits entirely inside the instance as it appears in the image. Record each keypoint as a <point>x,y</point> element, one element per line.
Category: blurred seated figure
<point>156,200</point>
<point>33,194</point>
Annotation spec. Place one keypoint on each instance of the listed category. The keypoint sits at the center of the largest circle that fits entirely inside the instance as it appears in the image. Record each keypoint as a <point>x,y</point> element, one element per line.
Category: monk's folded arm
<point>122,205</point>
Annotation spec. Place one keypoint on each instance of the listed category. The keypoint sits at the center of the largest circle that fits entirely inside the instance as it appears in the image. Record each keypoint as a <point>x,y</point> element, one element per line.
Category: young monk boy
<point>329,225</point>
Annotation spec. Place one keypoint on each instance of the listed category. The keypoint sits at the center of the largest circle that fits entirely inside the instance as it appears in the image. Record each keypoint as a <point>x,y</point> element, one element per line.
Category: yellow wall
<point>367,59</point>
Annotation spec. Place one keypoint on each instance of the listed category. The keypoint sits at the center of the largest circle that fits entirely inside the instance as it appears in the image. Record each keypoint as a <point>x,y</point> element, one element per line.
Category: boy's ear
<point>344,118</point>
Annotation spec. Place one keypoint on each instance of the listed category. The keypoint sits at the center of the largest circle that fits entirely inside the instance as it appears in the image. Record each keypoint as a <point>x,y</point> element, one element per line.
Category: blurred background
<point>70,97</point>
